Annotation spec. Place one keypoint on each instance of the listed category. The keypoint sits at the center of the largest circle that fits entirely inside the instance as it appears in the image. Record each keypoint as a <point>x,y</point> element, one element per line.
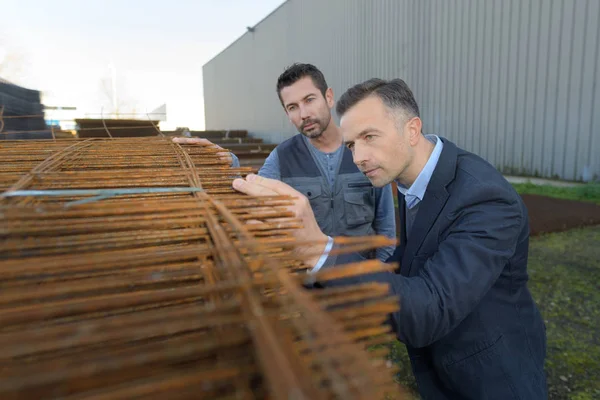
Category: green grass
<point>564,273</point>
<point>588,192</point>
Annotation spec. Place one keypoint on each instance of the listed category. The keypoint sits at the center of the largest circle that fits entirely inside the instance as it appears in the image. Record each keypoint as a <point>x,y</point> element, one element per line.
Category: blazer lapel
<point>436,196</point>
<point>429,209</point>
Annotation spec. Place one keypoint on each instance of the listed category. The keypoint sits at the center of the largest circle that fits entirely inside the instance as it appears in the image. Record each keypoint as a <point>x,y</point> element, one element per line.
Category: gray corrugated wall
<point>515,81</point>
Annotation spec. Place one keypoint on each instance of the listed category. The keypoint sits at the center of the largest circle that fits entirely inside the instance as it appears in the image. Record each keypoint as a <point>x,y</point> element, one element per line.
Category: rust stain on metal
<point>171,295</point>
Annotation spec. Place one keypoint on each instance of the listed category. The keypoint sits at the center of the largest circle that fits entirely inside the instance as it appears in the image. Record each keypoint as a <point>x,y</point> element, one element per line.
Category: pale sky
<point>64,48</point>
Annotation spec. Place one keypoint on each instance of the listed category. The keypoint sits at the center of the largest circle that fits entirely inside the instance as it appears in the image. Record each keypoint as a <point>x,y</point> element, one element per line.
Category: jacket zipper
<point>332,213</point>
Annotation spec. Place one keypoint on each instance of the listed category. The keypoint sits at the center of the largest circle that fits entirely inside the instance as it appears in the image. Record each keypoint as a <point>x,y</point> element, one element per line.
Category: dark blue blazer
<point>467,318</point>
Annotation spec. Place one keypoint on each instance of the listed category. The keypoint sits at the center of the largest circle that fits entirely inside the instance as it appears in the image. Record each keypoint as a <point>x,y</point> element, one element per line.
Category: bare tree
<point>115,98</point>
<point>11,63</point>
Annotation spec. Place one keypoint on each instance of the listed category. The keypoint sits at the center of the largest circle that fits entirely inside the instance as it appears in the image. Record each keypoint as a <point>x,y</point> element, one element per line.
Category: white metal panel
<point>514,81</point>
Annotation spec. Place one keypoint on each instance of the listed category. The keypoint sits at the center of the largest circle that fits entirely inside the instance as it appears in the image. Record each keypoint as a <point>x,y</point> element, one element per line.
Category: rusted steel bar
<point>187,295</point>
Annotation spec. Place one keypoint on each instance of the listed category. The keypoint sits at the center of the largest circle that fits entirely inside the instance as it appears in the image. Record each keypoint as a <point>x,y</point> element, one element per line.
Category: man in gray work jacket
<point>317,164</point>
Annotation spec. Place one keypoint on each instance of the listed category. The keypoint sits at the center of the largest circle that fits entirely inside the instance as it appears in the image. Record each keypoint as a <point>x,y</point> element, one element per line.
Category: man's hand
<point>225,155</point>
<point>255,185</point>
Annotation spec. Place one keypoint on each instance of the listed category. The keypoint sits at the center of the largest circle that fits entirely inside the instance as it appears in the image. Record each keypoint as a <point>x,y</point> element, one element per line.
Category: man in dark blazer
<point>467,318</point>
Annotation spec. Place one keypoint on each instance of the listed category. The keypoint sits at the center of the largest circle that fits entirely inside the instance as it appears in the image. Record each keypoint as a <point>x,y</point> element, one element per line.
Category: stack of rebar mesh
<point>129,269</point>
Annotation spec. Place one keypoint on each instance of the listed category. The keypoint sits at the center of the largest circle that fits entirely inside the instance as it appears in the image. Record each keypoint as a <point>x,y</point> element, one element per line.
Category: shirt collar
<point>317,151</point>
<point>416,192</point>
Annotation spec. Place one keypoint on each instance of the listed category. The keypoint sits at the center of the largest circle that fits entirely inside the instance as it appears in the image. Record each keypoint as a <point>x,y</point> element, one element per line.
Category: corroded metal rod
<point>172,295</point>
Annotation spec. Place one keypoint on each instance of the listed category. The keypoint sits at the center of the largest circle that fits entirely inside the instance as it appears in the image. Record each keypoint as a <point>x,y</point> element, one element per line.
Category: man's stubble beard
<point>316,134</point>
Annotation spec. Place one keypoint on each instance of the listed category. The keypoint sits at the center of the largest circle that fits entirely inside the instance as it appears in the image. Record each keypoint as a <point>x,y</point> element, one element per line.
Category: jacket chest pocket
<point>318,202</point>
<point>359,204</point>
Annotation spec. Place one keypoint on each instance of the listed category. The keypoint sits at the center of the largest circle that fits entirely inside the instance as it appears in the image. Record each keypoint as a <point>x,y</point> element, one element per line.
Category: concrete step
<point>221,141</point>
<point>237,133</point>
<point>248,147</point>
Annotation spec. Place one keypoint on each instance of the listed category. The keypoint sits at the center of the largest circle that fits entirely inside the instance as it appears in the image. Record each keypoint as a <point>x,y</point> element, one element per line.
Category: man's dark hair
<point>297,71</point>
<point>395,94</point>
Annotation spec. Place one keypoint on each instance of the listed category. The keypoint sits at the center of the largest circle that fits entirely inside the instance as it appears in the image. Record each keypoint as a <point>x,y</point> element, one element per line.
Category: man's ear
<point>329,97</point>
<point>414,126</point>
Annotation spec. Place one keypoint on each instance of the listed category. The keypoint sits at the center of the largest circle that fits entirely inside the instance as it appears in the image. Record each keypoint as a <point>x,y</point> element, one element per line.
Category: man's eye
<point>350,145</point>
<point>291,108</point>
<point>369,138</point>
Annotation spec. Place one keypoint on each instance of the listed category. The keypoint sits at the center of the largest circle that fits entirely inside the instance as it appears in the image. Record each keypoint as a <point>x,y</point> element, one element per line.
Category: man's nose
<point>304,113</point>
<point>359,154</point>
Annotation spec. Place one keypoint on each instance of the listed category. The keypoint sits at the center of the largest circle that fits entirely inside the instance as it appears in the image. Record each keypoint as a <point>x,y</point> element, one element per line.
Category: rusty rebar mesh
<point>172,295</point>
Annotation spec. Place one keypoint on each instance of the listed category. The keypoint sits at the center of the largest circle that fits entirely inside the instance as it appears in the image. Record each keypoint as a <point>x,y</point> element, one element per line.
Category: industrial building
<point>514,81</point>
